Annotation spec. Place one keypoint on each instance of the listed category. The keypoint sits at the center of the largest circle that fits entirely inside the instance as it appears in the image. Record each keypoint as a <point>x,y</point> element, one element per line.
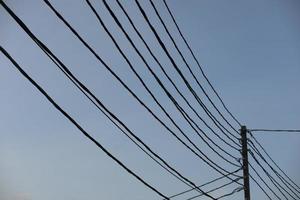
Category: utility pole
<point>245,162</point>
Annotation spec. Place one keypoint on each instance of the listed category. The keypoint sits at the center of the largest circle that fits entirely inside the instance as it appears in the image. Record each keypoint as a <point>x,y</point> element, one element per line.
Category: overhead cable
<point>198,63</point>
<point>86,134</point>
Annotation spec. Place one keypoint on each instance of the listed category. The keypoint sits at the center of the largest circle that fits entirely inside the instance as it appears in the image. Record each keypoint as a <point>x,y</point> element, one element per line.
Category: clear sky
<point>250,51</point>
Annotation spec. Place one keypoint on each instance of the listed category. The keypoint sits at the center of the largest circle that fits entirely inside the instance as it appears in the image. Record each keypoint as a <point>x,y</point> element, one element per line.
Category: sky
<point>250,51</point>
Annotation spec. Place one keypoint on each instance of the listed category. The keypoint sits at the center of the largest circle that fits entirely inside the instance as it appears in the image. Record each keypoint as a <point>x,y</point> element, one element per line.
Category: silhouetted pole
<point>245,162</point>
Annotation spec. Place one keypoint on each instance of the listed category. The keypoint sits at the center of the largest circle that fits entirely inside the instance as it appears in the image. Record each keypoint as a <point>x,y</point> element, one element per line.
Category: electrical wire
<point>276,130</point>
<point>236,190</point>
<point>188,66</point>
<point>182,112</point>
<point>259,176</point>
<point>202,185</point>
<point>215,121</point>
<point>86,134</point>
<point>131,92</point>
<point>262,189</point>
<point>217,188</point>
<point>198,64</point>
<point>161,67</point>
<point>78,83</point>
<point>282,179</point>
<point>81,86</point>
<point>275,183</point>
<point>268,155</point>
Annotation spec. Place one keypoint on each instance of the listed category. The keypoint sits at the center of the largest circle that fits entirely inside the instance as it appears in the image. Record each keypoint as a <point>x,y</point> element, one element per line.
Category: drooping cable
<point>272,179</point>
<point>236,190</point>
<point>262,189</point>
<point>161,43</point>
<point>188,66</point>
<point>214,165</point>
<point>182,112</point>
<point>272,160</point>
<point>198,63</point>
<point>282,179</point>
<point>217,188</point>
<point>86,134</point>
<point>265,183</point>
<point>81,85</point>
<point>202,185</point>
<point>161,67</point>
<point>276,130</point>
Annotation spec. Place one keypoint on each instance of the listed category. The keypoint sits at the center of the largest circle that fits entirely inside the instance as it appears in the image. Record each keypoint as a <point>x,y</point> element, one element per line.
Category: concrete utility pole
<point>245,162</point>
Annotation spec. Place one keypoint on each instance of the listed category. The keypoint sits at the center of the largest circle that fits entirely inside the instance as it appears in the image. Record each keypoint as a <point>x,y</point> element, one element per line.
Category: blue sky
<point>249,50</point>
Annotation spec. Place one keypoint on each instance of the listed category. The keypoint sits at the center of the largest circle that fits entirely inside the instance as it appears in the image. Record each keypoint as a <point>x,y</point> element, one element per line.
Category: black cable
<point>282,179</point>
<point>188,66</point>
<point>264,191</point>
<point>236,190</point>
<point>75,123</point>
<point>129,90</point>
<point>259,176</point>
<point>275,183</point>
<point>80,86</point>
<point>198,64</point>
<point>160,65</point>
<point>215,189</point>
<point>276,130</point>
<point>182,112</point>
<point>97,100</point>
<point>202,185</point>
<point>215,121</point>
<point>264,150</point>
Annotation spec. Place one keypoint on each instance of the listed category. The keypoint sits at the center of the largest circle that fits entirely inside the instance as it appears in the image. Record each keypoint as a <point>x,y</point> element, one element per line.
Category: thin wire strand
<point>161,67</point>
<point>275,183</point>
<point>189,68</point>
<point>172,99</point>
<point>79,85</point>
<point>198,64</point>
<point>182,112</point>
<point>262,189</point>
<point>86,134</point>
<point>268,155</point>
<point>215,189</point>
<point>214,165</point>
<point>283,180</point>
<point>259,176</point>
<point>215,121</point>
<point>276,130</point>
<point>212,181</point>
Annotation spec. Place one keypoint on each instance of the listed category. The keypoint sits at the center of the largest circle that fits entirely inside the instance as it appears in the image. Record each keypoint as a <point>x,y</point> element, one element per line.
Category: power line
<point>275,183</point>
<point>188,66</point>
<point>198,64</point>
<point>164,72</point>
<point>262,189</point>
<point>276,130</point>
<point>162,68</point>
<point>86,134</point>
<point>202,185</point>
<point>214,165</point>
<point>236,190</point>
<point>215,121</point>
<point>82,87</point>
<point>259,176</point>
<point>282,179</point>
<point>183,113</point>
<point>268,155</point>
<point>85,90</point>
<point>217,188</point>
